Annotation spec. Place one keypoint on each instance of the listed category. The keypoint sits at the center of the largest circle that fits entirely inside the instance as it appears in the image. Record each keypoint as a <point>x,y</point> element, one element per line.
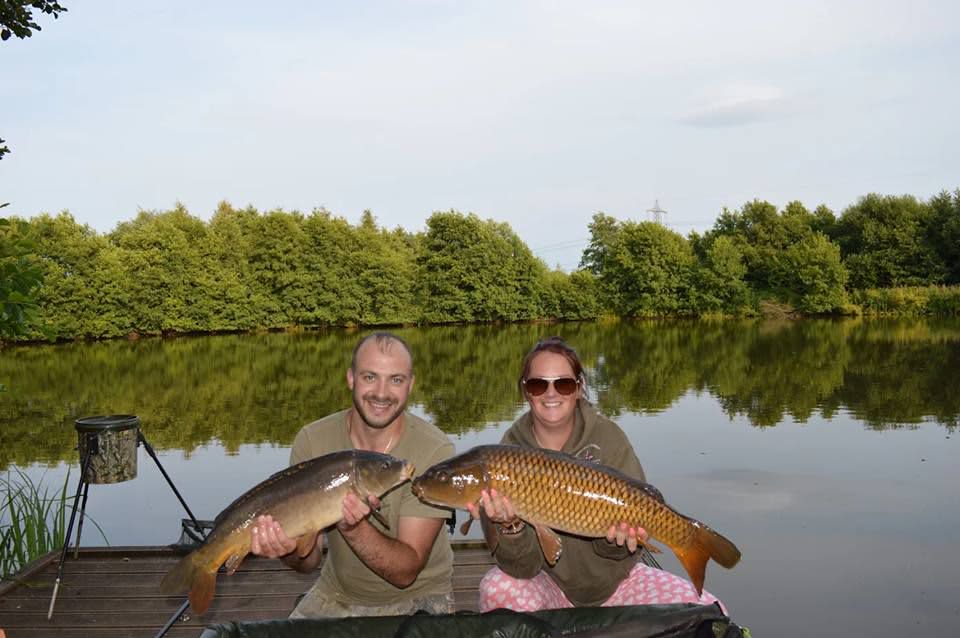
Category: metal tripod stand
<point>90,430</point>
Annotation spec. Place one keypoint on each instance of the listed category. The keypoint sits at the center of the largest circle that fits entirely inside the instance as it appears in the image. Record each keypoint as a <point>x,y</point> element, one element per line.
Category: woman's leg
<point>647,585</point>
<point>498,590</point>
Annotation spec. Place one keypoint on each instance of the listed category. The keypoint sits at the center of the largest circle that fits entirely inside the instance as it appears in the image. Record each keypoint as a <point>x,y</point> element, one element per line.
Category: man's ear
<point>412,379</point>
<point>350,378</point>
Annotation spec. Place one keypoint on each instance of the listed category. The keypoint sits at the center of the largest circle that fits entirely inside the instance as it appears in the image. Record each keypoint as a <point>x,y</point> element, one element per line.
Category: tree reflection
<point>261,388</point>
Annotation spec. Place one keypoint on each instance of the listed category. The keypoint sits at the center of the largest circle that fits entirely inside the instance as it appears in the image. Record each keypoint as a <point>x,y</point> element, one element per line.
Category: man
<point>370,570</point>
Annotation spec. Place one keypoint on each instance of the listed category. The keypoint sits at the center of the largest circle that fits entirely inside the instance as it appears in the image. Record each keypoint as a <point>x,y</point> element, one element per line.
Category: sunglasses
<point>538,385</point>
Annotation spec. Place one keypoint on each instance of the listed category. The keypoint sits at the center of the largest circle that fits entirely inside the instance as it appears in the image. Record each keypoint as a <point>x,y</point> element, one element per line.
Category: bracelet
<point>513,528</point>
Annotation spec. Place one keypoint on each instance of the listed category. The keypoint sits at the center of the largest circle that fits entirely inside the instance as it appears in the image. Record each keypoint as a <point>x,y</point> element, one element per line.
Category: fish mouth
<point>408,471</point>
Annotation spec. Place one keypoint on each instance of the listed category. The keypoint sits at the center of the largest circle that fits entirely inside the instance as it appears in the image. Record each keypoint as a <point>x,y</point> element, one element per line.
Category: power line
<point>570,243</point>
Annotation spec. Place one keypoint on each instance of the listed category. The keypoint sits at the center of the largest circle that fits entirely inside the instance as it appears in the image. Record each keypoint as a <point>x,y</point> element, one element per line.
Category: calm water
<point>827,450</point>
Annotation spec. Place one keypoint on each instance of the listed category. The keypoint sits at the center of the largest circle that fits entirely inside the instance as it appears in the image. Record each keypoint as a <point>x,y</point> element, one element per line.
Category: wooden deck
<point>114,592</point>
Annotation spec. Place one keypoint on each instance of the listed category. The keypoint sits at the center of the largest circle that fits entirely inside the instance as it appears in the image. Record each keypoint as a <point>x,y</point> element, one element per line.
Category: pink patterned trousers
<point>644,585</point>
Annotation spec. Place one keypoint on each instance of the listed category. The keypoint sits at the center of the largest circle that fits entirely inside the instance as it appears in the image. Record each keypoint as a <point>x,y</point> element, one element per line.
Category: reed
<point>32,521</point>
<point>908,301</point>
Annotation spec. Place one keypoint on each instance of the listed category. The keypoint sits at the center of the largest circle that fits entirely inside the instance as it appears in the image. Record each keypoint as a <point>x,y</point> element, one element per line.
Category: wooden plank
<point>113,592</point>
<point>30,571</point>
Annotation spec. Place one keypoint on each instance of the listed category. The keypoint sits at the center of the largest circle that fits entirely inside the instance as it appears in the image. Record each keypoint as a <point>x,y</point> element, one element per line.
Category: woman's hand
<point>624,534</point>
<point>497,507</point>
<point>268,538</point>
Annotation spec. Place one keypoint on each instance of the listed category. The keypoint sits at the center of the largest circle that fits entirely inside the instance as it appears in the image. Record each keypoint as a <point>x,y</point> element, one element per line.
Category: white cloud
<point>740,107</point>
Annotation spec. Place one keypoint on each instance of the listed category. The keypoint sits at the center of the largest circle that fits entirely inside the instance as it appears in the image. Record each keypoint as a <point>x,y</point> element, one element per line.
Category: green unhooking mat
<point>662,621</point>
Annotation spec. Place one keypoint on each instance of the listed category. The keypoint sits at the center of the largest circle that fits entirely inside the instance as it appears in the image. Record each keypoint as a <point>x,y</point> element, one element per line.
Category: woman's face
<point>551,409</point>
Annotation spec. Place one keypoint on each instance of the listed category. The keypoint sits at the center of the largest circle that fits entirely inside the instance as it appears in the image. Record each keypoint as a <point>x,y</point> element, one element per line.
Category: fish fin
<point>650,547</point>
<point>306,543</point>
<point>201,592</point>
<point>589,452</point>
<point>652,492</point>
<point>374,511</point>
<point>180,576</point>
<point>233,562</point>
<point>466,525</point>
<point>380,519</point>
<point>549,543</point>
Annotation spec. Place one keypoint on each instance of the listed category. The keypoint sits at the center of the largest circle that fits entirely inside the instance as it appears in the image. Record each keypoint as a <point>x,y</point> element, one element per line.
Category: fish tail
<point>706,544</point>
<point>197,575</point>
<point>201,592</point>
<point>178,579</point>
<point>721,549</point>
<point>694,559</point>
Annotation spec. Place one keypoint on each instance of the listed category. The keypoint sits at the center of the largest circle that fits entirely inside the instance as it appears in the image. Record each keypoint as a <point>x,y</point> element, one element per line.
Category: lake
<point>825,449</point>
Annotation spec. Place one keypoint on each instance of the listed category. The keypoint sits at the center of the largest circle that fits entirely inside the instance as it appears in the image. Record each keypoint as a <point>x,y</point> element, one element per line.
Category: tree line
<point>170,272</point>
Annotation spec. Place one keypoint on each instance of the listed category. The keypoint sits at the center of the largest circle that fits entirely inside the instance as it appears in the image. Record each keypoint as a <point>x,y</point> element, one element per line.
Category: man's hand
<point>625,534</point>
<point>355,511</point>
<point>268,539</point>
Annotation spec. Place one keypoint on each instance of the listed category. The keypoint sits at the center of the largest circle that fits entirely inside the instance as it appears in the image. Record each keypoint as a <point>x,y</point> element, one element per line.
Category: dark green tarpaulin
<point>662,621</point>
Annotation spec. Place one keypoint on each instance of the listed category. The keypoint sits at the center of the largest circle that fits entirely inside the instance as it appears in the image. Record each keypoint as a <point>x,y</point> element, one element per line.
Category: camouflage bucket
<point>111,442</point>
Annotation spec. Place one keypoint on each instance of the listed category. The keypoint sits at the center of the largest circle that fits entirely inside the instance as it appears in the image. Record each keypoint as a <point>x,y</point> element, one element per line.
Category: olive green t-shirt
<point>343,575</point>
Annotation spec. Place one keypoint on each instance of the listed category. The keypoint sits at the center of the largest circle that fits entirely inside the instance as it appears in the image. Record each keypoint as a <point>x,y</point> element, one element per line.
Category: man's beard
<point>377,425</point>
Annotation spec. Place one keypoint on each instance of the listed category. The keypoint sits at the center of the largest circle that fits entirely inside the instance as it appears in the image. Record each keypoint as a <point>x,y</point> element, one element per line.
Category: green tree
<point>383,264</point>
<point>277,249</point>
<point>475,270</point>
<point>16,16</point>
<point>337,295</point>
<point>598,256</point>
<point>824,221</point>
<point>813,274</point>
<point>881,239</point>
<point>762,235</point>
<point>720,285</point>
<point>650,269</point>
<point>943,232</point>
<point>569,296</point>
<point>163,270</point>
<point>228,283</point>
<point>20,278</point>
<point>85,288</point>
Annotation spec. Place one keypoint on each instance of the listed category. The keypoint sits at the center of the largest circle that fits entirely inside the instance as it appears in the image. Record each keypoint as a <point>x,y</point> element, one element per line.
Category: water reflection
<point>255,389</point>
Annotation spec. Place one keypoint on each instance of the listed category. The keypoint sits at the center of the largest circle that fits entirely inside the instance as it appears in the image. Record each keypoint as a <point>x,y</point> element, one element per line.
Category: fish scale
<point>556,491</point>
<point>574,495</point>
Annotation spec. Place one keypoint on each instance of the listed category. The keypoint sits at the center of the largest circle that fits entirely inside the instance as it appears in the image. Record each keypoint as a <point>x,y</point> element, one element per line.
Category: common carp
<point>555,491</point>
<point>304,498</point>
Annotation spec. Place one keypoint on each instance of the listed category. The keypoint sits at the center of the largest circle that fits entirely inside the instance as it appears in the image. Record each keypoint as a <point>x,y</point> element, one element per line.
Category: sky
<point>538,114</point>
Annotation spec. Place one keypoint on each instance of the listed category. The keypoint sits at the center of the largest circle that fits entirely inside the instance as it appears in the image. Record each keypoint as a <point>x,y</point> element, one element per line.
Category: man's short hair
<point>384,340</point>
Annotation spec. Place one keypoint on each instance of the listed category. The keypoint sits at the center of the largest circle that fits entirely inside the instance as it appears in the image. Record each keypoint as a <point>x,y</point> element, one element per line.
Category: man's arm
<point>397,560</point>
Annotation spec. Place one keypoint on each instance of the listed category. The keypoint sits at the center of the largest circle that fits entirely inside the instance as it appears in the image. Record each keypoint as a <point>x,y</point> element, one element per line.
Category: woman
<point>592,572</point>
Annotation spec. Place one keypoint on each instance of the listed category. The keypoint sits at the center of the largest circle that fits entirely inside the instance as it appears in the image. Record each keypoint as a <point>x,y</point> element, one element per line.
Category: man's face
<point>381,382</point>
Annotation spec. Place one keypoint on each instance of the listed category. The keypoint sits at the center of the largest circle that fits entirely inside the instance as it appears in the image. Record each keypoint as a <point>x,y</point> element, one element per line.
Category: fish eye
<point>385,466</point>
<point>443,476</point>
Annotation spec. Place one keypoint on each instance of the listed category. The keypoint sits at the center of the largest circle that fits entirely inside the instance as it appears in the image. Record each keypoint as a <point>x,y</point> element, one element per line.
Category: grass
<point>32,522</point>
